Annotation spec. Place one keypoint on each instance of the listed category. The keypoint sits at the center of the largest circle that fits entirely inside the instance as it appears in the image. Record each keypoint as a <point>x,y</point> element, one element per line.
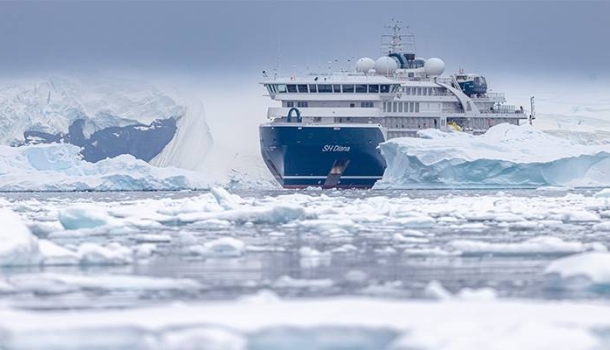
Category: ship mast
<point>396,41</point>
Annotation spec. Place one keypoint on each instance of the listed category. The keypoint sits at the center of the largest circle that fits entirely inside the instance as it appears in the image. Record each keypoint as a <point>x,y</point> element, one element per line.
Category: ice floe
<point>17,244</point>
<point>59,167</point>
<point>228,247</point>
<point>506,155</point>
<point>537,245</point>
<point>593,266</point>
<point>325,323</point>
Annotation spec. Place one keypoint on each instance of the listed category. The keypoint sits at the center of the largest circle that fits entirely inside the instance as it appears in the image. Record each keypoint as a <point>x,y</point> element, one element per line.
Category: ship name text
<point>335,148</point>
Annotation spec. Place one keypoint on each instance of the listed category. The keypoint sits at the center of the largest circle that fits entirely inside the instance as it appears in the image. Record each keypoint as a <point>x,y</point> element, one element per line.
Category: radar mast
<point>396,41</point>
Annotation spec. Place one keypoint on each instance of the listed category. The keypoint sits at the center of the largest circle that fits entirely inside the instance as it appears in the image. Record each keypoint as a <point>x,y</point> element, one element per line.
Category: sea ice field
<point>310,269</point>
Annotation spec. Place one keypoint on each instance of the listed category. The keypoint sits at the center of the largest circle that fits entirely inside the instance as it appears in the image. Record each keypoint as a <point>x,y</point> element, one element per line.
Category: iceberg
<point>60,167</point>
<point>505,156</point>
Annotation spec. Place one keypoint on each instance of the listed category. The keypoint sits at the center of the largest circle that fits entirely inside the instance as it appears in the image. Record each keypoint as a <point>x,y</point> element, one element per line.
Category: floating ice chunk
<point>579,216</point>
<point>221,247</point>
<point>60,167</point>
<point>328,225</point>
<point>356,276</point>
<point>53,254</point>
<point>523,225</point>
<point>18,246</point>
<point>594,266</point>
<point>602,226</point>
<point>84,216</point>
<point>226,200</point>
<point>506,155</point>
<point>62,283</point>
<point>146,250</point>
<point>420,221</point>
<point>435,290</point>
<point>346,248</point>
<point>605,193</point>
<point>537,245</point>
<point>482,294</point>
<point>289,282</point>
<point>397,237</point>
<point>152,238</point>
<point>265,296</point>
<point>95,254</point>
<point>275,214</point>
<point>310,258</point>
<point>433,251</point>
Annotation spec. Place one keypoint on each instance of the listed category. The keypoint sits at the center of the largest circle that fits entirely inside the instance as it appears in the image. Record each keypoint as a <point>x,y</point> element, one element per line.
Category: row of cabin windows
<point>423,91</point>
<point>363,104</point>
<point>401,107</point>
<point>331,88</point>
<point>411,123</point>
<point>299,104</point>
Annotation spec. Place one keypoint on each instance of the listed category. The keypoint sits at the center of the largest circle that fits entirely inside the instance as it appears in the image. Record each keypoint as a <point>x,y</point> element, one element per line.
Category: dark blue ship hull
<point>325,156</point>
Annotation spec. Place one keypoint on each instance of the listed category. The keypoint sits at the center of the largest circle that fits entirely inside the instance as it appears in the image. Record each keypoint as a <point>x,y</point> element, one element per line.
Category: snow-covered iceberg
<point>106,117</point>
<point>60,167</point>
<point>505,156</point>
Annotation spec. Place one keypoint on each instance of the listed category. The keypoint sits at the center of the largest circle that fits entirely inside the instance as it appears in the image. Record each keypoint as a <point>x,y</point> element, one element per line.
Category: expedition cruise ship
<point>327,131</point>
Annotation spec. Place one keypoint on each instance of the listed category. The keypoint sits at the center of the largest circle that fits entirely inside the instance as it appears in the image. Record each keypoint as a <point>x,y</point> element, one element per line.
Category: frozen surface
<point>505,156</point>
<point>306,269</point>
<point>59,167</point>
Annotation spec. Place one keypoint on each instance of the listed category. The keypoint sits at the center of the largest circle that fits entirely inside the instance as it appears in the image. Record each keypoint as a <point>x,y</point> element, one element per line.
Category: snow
<point>95,254</point>
<point>537,245</point>
<point>505,156</point>
<point>59,167</point>
<point>221,247</point>
<point>53,104</point>
<point>83,216</point>
<point>594,266</point>
<point>370,323</point>
<point>17,245</point>
<point>60,283</point>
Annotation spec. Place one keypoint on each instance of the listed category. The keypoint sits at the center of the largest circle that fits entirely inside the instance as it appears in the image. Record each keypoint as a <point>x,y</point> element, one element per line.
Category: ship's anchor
<point>289,116</point>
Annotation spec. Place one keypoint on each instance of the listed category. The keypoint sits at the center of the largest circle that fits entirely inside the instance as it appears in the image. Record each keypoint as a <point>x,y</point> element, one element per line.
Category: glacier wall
<point>506,156</point>
<point>106,117</point>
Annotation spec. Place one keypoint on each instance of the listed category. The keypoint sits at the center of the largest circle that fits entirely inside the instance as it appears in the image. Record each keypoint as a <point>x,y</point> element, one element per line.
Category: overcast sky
<point>242,38</point>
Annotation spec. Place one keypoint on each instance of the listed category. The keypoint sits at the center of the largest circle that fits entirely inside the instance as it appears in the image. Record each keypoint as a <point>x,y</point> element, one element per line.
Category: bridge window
<point>373,89</point>
<point>400,107</point>
<point>291,88</point>
<point>411,108</point>
<point>302,104</point>
<point>416,107</point>
<point>325,88</point>
<point>302,88</point>
<point>366,104</point>
<point>361,89</point>
<point>384,89</point>
<point>336,88</point>
<point>313,88</point>
<point>281,88</point>
<point>348,88</point>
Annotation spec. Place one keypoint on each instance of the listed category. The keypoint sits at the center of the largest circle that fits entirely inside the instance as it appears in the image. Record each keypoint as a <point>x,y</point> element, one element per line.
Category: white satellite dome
<point>365,64</point>
<point>434,66</point>
<point>385,65</point>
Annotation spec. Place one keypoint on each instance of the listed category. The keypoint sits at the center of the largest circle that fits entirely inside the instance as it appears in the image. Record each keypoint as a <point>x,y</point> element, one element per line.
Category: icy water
<point>388,244</point>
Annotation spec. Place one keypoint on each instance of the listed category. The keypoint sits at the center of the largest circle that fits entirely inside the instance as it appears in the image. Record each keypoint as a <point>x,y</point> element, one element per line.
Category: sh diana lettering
<point>335,148</point>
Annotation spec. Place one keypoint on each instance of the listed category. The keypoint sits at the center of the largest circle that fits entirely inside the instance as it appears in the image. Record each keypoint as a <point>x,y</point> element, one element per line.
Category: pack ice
<point>505,156</point>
